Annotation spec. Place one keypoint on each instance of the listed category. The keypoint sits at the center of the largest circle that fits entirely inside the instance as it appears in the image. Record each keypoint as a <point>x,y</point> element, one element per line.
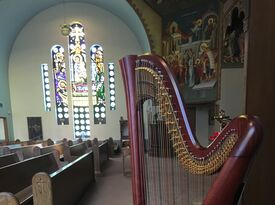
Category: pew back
<point>44,150</point>
<point>25,152</point>
<point>4,150</point>
<point>88,143</point>
<point>65,186</point>
<point>78,149</point>
<point>74,151</point>
<point>8,159</point>
<point>57,149</point>
<point>16,177</point>
<point>74,141</point>
<point>19,143</point>
<point>64,141</point>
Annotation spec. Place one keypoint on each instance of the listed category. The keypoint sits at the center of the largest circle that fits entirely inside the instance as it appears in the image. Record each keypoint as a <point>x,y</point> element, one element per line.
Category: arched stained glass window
<point>78,76</point>
<point>46,87</point>
<point>112,91</point>
<point>60,85</point>
<point>98,88</point>
<point>79,83</point>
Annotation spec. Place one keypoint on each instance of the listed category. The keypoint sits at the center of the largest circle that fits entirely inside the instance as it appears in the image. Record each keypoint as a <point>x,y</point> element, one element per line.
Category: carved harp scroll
<point>213,175</point>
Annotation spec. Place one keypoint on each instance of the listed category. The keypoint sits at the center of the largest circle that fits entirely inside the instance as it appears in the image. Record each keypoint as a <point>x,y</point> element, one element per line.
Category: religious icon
<point>35,128</point>
<point>233,35</point>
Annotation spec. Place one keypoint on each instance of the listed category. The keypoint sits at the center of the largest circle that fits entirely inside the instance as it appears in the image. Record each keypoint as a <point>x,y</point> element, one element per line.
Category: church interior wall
<point>32,48</point>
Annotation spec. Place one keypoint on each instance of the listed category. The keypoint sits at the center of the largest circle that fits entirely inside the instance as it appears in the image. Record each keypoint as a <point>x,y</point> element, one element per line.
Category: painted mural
<point>233,27</point>
<point>190,46</point>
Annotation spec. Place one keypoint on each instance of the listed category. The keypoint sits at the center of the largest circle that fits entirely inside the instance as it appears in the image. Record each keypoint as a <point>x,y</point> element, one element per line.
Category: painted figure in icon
<point>234,38</point>
<point>80,74</point>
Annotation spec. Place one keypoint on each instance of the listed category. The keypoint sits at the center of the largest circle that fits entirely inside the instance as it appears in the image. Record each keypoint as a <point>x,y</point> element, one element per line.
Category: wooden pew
<point>89,144</point>
<point>74,142</point>
<point>25,152</point>
<point>111,146</point>
<point>100,154</point>
<point>5,142</point>
<point>100,150</point>
<point>8,159</point>
<point>73,152</point>
<point>33,142</point>
<point>64,141</point>
<point>4,150</point>
<point>59,148</point>
<point>16,178</point>
<point>65,186</point>
<point>48,142</point>
<point>19,143</point>
<point>8,199</point>
<point>47,149</point>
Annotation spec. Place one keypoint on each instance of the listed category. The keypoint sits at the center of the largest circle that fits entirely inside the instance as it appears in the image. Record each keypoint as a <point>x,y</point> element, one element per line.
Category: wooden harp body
<point>169,166</point>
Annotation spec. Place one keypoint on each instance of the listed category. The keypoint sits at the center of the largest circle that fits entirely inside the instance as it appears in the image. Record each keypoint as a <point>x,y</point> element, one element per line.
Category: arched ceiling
<point>14,14</point>
<point>170,8</point>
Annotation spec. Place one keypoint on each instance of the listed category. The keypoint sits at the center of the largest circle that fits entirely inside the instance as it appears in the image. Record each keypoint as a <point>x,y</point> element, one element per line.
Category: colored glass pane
<point>112,92</point>
<point>60,85</point>
<point>46,87</point>
<point>98,87</point>
<point>78,76</point>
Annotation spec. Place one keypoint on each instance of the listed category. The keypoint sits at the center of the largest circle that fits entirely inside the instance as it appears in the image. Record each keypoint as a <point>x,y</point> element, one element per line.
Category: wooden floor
<point>112,187</point>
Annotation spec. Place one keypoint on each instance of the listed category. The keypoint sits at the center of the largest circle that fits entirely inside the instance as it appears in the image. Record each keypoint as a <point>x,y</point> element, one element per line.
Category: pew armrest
<point>50,189</point>
<point>42,189</point>
<point>7,198</point>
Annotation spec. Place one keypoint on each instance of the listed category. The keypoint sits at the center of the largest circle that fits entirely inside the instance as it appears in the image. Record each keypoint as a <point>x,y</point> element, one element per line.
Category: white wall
<point>232,101</point>
<point>2,129</point>
<point>233,91</point>
<point>32,48</point>
<point>202,125</point>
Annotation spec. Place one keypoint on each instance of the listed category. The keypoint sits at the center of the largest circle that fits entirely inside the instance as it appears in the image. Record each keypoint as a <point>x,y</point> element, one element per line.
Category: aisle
<point>112,187</point>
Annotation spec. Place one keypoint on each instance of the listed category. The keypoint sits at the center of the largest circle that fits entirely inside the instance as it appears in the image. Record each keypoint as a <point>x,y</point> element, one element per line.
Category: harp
<point>169,166</point>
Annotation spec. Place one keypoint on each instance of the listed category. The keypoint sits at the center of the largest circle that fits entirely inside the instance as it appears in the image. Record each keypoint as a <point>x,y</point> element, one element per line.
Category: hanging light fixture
<point>65,28</point>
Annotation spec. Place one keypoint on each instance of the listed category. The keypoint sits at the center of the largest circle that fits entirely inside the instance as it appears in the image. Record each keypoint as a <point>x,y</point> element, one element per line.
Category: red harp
<point>169,166</point>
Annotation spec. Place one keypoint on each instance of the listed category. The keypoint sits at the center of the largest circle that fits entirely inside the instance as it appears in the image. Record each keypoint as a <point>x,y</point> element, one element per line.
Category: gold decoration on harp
<point>201,166</point>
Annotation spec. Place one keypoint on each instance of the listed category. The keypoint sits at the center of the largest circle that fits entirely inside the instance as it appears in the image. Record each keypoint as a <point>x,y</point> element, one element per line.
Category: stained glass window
<point>111,71</point>
<point>79,83</point>
<point>98,88</point>
<point>60,85</point>
<point>78,76</point>
<point>46,87</point>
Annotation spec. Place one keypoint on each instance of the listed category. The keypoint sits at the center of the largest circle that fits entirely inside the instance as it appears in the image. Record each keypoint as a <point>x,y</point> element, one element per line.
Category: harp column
<point>130,90</point>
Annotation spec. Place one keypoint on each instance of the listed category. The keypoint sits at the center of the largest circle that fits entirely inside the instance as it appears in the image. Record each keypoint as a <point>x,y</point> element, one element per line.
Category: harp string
<point>197,165</point>
<point>165,158</point>
<point>159,163</point>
